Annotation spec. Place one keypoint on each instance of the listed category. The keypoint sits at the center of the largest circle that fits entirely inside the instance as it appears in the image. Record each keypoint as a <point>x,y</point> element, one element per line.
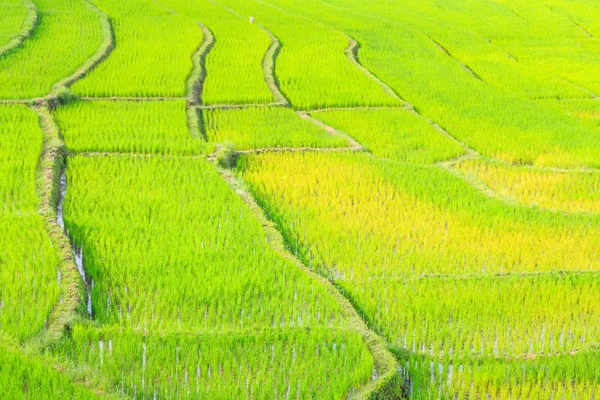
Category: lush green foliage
<point>12,15</point>
<point>234,64</point>
<point>495,122</point>
<point>31,69</point>
<point>205,262</point>
<point>207,268</point>
<point>29,276</point>
<point>262,127</point>
<point>411,220</point>
<point>431,261</point>
<point>29,377</point>
<point>559,190</point>
<point>567,376</point>
<point>153,54</point>
<point>130,127</point>
<point>393,133</point>
<point>312,69</point>
<point>290,363</point>
<point>20,148</point>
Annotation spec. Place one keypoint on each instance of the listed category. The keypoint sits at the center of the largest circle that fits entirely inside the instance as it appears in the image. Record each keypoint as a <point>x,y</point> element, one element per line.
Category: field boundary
<point>387,383</point>
<point>195,81</point>
<point>29,24</point>
<point>500,357</point>
<point>268,65</point>
<point>61,88</point>
<point>464,66</point>
<point>352,55</point>
<point>489,275</point>
<point>51,165</point>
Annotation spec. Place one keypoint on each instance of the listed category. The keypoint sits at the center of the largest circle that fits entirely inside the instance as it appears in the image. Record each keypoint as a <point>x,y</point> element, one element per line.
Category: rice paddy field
<point>299,199</point>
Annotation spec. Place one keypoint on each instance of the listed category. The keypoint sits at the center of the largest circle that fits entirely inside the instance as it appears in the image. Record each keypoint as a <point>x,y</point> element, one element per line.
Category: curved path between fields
<point>29,24</point>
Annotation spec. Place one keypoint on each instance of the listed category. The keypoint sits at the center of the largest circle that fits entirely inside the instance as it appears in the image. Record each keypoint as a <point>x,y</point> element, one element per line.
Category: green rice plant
<point>483,316</point>
<point>27,376</point>
<point>352,216</point>
<point>288,363</point>
<point>312,69</point>
<point>500,290</point>
<point>12,16</point>
<point>234,65</point>
<point>265,127</point>
<point>29,273</point>
<point>587,111</point>
<point>29,278</point>
<point>558,376</point>
<point>393,133</point>
<point>153,54</point>
<point>20,149</point>
<point>573,191</point>
<point>205,261</point>
<point>30,70</point>
<point>496,123</point>
<point>130,127</point>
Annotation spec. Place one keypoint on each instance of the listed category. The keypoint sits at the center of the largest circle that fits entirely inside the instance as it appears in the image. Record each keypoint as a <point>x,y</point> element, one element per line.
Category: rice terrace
<point>299,199</point>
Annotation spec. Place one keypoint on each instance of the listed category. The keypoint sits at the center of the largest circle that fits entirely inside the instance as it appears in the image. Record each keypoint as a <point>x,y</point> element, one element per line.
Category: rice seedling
<point>263,127</point>
<point>569,376</point>
<point>153,54</point>
<point>509,316</point>
<point>12,16</point>
<point>205,261</point>
<point>434,264</point>
<point>20,148</point>
<point>30,70</point>
<point>390,220</point>
<point>312,69</point>
<point>587,111</point>
<point>234,65</point>
<point>393,133</point>
<point>129,127</point>
<point>288,363</point>
<point>494,122</point>
<point>26,376</point>
<point>29,277</point>
<point>573,191</point>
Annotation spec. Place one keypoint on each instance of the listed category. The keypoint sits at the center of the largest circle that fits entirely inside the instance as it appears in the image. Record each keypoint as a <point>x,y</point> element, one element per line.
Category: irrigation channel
<point>77,252</point>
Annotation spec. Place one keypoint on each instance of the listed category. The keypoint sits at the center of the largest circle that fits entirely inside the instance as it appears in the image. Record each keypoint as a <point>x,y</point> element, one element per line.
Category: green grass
<point>30,70</point>
<point>262,127</point>
<point>153,54</point>
<point>130,127</point>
